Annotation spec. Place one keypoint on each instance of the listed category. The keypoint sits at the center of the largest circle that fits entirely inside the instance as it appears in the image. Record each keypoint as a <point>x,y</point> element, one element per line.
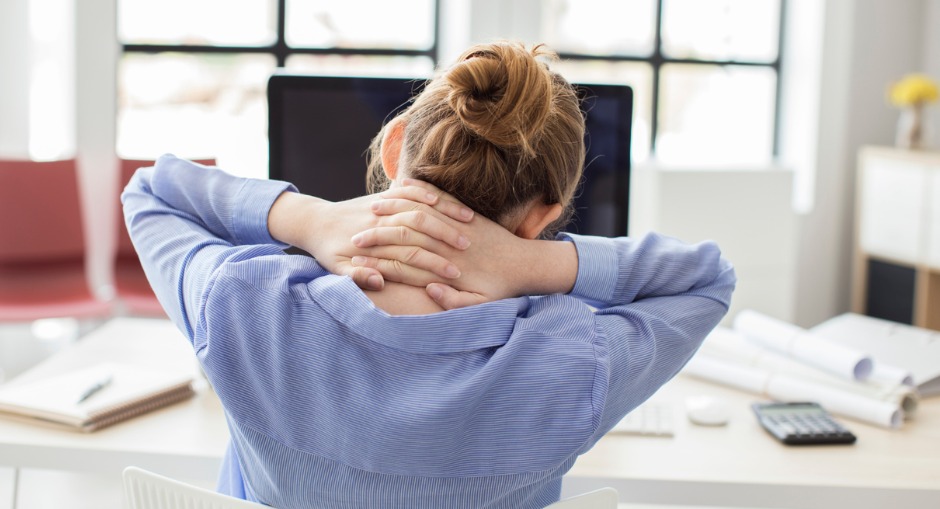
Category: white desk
<point>185,440</point>
<point>740,465</point>
<point>737,465</point>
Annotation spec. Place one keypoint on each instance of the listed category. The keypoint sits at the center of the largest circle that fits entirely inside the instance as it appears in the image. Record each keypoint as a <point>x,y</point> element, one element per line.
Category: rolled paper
<point>745,378</point>
<point>733,347</point>
<point>878,412</point>
<point>891,374</point>
<point>797,343</point>
<point>789,389</point>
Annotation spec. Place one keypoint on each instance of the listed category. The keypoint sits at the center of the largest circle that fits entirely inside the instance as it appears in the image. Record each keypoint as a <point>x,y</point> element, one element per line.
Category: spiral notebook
<point>96,397</point>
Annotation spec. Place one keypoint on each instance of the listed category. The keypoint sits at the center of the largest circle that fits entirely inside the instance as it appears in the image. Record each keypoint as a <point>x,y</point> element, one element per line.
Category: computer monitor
<point>320,127</point>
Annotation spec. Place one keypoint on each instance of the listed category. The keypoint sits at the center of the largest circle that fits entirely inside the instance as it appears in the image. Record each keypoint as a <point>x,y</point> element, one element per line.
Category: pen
<point>94,388</point>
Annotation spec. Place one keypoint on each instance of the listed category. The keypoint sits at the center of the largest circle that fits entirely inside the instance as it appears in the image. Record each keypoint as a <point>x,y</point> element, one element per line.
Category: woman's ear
<point>392,142</point>
<point>538,217</point>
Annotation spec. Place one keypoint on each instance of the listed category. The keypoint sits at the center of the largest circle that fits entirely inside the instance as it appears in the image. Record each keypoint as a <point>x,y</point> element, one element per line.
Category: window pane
<point>715,113</point>
<point>401,24</point>
<point>50,113</point>
<point>638,75</point>
<point>721,29</point>
<point>599,27</point>
<point>198,22</point>
<point>344,65</point>
<point>196,106</point>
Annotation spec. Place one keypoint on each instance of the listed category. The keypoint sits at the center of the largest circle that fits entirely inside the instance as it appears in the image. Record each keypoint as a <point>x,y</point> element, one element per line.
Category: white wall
<point>930,63</point>
<point>14,85</point>
<point>748,212</point>
<point>96,54</point>
<point>867,45</point>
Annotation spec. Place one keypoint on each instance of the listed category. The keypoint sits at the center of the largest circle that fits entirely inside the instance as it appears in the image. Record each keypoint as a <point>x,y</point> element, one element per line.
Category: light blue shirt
<point>333,403</point>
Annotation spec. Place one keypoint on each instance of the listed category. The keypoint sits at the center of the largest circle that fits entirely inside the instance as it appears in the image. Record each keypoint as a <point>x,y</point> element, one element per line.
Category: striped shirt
<point>333,403</point>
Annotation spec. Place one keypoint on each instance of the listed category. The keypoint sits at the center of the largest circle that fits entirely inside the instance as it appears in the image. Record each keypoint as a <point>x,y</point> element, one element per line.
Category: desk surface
<point>884,468</point>
<point>186,440</point>
<point>735,465</point>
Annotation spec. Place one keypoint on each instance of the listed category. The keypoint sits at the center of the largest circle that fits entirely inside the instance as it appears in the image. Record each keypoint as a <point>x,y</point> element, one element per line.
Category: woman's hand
<point>324,229</point>
<point>497,264</point>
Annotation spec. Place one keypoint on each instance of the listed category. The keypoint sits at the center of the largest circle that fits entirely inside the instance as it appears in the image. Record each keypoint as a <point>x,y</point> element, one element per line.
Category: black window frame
<point>657,60</point>
<point>281,50</point>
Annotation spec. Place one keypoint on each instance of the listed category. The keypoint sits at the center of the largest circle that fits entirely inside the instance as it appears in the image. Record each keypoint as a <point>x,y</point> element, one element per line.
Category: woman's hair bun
<point>502,93</point>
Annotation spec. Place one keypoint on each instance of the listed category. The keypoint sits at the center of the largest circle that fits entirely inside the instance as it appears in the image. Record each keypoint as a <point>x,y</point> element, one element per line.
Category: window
<point>192,78</point>
<point>193,74</point>
<point>705,73</point>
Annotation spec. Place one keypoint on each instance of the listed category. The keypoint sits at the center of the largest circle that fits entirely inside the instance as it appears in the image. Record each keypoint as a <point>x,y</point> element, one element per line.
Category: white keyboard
<point>648,419</point>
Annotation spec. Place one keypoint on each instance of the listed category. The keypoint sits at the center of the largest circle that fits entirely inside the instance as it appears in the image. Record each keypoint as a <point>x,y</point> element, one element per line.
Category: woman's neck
<point>401,299</point>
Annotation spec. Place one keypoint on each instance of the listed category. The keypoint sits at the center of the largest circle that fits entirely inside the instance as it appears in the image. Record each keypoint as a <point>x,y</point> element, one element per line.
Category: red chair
<point>130,283</point>
<point>42,244</point>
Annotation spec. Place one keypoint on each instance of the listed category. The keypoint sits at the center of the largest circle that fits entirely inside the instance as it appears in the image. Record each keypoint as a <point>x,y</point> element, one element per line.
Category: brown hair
<point>496,130</point>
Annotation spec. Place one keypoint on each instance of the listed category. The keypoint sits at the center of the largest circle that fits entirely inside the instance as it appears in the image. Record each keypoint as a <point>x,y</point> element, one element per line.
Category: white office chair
<point>147,490</point>
<point>604,498</point>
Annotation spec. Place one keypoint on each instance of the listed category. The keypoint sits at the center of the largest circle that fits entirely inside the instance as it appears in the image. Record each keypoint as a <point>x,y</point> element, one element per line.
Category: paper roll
<point>799,344</point>
<point>790,389</point>
<point>742,377</point>
<point>733,347</point>
<point>882,413</point>
<point>891,374</point>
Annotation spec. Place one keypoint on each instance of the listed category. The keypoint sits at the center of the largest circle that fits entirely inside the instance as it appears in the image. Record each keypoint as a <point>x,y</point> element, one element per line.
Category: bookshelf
<point>897,236</point>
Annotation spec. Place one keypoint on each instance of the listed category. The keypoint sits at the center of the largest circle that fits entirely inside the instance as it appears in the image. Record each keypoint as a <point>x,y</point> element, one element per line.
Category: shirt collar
<point>458,330</point>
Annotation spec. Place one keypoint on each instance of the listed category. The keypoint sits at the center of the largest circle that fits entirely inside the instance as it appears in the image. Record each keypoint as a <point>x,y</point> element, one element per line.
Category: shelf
<point>897,236</point>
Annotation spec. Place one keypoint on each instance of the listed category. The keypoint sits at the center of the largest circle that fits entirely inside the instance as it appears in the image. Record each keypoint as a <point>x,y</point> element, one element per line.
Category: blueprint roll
<point>731,374</point>
<point>882,413</point>
<point>803,346</point>
<point>787,388</point>
<point>891,374</point>
<point>732,347</point>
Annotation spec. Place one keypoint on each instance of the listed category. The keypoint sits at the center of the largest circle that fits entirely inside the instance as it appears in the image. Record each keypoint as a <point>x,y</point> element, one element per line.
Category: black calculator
<point>803,423</point>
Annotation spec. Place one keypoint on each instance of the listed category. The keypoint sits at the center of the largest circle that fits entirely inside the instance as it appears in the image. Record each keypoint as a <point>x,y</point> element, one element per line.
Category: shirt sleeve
<point>656,298</point>
<point>186,220</point>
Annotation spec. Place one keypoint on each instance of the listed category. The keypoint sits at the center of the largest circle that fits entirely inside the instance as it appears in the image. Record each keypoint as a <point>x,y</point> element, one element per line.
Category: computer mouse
<point>707,410</point>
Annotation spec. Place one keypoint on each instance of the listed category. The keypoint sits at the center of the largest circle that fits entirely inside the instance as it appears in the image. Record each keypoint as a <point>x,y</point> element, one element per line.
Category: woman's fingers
<point>408,264</point>
<point>423,192</point>
<point>409,228</point>
<point>412,193</point>
<point>415,222</point>
<point>450,298</point>
<point>365,277</point>
<point>393,270</point>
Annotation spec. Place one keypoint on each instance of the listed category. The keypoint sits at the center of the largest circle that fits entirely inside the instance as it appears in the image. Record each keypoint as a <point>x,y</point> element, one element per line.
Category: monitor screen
<point>320,128</point>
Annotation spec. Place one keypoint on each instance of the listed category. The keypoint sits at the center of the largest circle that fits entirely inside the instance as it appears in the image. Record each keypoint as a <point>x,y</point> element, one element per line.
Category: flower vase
<point>911,127</point>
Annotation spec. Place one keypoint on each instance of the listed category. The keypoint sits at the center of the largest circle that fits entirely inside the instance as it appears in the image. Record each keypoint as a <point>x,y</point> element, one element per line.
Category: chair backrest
<point>604,498</point>
<point>147,490</point>
<point>40,212</point>
<point>125,249</point>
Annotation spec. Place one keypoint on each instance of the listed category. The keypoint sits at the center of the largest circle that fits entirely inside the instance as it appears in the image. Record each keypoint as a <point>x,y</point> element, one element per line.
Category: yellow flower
<point>913,89</point>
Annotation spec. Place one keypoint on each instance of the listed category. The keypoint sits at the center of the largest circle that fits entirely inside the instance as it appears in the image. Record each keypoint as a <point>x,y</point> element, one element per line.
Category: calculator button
<point>801,423</point>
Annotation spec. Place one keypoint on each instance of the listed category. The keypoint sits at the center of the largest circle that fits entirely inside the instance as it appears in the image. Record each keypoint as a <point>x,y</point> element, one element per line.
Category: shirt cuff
<point>254,201</point>
<point>598,268</point>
